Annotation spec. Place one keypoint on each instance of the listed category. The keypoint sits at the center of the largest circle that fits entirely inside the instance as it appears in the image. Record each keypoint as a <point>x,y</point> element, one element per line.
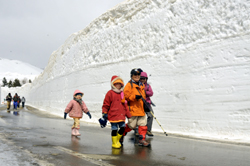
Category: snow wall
<point>196,54</point>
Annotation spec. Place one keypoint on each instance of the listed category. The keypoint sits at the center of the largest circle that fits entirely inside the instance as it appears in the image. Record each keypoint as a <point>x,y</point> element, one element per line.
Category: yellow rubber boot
<point>114,142</point>
<point>118,139</point>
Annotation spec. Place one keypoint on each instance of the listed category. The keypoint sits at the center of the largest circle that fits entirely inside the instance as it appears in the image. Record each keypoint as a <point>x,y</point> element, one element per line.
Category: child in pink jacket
<point>149,92</point>
<point>75,108</point>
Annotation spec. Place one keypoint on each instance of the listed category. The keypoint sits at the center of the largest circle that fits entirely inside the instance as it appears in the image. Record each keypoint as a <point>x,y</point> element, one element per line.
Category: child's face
<point>78,96</point>
<point>143,80</point>
<point>118,85</point>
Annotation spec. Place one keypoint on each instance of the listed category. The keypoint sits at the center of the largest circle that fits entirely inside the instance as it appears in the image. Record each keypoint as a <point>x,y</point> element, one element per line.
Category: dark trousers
<point>150,120</point>
<point>22,104</point>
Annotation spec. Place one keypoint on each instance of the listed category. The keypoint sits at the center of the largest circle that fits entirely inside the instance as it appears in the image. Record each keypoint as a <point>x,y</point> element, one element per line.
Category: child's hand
<point>88,113</point>
<point>65,115</point>
<point>103,122</point>
<point>105,116</point>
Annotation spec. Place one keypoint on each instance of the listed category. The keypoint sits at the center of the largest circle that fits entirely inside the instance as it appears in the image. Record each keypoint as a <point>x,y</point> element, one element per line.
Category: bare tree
<point>24,81</point>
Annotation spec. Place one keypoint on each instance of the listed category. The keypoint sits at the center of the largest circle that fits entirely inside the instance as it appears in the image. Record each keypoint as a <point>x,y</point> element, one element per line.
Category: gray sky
<point>30,30</point>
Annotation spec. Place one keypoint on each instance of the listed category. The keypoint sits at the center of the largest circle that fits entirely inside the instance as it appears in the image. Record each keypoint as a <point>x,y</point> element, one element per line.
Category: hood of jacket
<point>77,91</point>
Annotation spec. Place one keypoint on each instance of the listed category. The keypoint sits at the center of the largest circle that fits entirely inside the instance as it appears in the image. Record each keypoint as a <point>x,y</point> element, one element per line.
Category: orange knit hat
<point>115,79</point>
<point>118,81</point>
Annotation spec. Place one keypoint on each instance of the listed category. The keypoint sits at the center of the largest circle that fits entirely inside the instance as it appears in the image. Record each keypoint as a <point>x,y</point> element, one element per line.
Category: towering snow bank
<point>196,53</point>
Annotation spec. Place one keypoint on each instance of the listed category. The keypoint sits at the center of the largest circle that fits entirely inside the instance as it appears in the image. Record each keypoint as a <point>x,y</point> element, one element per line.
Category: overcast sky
<point>30,30</point>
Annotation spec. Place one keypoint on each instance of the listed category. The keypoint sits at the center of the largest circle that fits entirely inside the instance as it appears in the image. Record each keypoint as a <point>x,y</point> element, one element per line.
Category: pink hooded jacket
<point>149,92</point>
<point>74,109</point>
<point>148,89</point>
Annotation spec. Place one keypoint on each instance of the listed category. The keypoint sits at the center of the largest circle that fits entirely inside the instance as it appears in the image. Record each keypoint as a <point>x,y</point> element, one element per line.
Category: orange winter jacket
<point>135,106</point>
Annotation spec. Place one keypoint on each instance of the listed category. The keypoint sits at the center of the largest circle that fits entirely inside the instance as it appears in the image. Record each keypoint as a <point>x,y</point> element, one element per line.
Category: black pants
<point>149,121</point>
<point>150,118</point>
<point>22,104</point>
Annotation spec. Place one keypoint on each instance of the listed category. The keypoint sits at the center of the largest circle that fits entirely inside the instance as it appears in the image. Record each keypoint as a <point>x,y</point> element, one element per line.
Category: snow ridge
<point>160,26</point>
<point>12,69</point>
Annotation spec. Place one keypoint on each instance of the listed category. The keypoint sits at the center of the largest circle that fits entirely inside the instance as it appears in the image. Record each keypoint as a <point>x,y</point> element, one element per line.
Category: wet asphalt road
<point>36,138</point>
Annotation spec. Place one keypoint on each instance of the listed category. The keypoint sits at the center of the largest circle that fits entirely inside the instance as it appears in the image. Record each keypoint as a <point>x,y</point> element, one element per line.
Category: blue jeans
<point>114,126</point>
<point>15,104</point>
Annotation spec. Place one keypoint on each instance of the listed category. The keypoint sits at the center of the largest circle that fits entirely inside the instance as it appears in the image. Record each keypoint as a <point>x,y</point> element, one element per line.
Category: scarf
<point>116,90</point>
<point>78,100</point>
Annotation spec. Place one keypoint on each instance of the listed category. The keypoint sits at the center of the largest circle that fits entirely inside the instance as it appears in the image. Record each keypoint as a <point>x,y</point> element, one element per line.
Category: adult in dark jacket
<point>8,99</point>
<point>19,101</point>
<point>23,101</point>
<point>15,99</point>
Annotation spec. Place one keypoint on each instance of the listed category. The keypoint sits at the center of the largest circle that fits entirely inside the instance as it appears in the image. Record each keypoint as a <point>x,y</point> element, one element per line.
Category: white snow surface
<point>196,54</point>
<point>12,69</point>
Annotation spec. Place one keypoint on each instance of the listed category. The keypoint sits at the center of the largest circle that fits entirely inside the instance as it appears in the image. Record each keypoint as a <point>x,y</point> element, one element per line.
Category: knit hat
<point>144,74</point>
<point>115,79</point>
<point>118,81</point>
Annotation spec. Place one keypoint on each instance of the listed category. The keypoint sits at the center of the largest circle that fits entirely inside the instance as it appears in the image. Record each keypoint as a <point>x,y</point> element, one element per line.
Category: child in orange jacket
<point>115,110</point>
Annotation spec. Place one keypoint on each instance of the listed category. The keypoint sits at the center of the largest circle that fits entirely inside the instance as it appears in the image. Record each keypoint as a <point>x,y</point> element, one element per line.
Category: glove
<point>146,110</point>
<point>88,113</point>
<point>65,115</point>
<point>103,122</point>
<point>138,97</point>
<point>147,107</point>
<point>105,116</point>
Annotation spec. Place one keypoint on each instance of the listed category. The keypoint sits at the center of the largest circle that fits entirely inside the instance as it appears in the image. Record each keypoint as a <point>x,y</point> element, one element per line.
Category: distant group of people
<point>131,101</point>
<point>16,101</point>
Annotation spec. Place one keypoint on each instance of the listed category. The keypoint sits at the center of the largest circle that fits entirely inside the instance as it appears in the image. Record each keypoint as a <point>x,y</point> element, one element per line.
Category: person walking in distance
<point>115,110</point>
<point>15,100</point>
<point>75,108</point>
<point>23,101</point>
<point>19,101</point>
<point>133,92</point>
<point>8,99</point>
<point>149,93</point>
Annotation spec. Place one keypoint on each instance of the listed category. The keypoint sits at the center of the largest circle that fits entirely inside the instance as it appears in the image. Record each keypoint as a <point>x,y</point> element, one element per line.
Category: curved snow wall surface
<point>196,54</point>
